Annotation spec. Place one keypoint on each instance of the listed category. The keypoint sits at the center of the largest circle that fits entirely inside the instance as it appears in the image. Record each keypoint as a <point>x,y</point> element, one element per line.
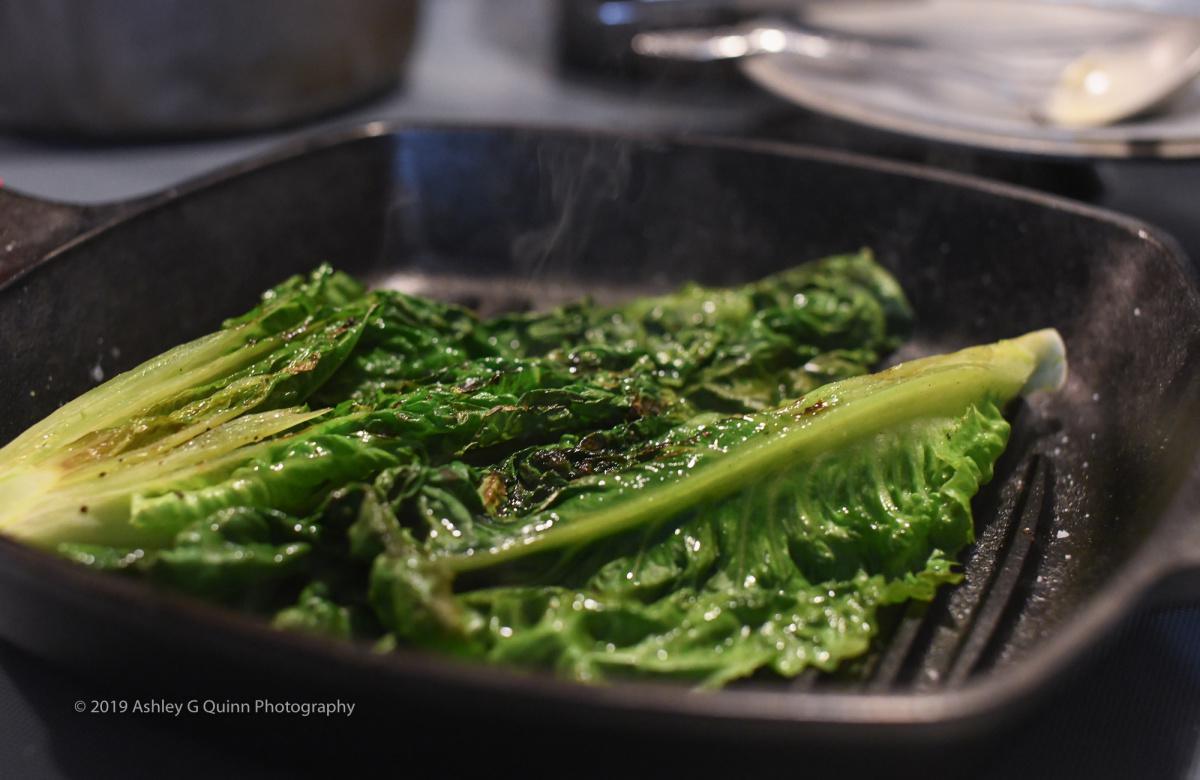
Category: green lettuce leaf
<point>766,540</point>
<point>610,492</point>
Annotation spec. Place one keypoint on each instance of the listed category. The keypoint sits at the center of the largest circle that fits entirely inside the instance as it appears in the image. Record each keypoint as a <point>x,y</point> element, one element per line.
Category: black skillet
<point>1091,513</point>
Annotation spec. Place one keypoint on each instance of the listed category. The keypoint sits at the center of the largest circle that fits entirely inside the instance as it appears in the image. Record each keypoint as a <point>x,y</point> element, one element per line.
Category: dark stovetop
<point>1134,711</point>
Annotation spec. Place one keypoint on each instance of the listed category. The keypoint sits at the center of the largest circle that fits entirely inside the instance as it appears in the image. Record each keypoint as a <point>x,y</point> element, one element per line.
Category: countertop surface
<point>1133,711</point>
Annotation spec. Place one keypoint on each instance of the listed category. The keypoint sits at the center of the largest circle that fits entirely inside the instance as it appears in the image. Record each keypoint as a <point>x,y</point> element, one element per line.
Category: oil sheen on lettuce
<point>699,486</point>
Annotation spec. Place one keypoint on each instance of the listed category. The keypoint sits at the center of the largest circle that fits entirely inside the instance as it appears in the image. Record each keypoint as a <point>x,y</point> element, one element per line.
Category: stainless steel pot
<point>174,67</point>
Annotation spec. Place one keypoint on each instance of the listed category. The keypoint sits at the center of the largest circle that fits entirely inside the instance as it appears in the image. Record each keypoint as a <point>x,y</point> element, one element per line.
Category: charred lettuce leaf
<point>700,485</point>
<point>766,540</point>
<point>324,384</point>
<point>736,349</point>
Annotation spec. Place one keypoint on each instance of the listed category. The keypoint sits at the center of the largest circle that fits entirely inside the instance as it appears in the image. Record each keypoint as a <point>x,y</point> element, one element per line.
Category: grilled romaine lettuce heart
<point>698,485</point>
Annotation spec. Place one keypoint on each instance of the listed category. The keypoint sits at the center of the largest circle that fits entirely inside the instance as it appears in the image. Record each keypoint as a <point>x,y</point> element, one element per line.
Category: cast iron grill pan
<point>1090,513</point>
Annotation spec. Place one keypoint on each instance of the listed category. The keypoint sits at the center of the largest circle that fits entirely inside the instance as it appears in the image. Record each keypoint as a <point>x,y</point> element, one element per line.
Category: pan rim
<point>114,213</point>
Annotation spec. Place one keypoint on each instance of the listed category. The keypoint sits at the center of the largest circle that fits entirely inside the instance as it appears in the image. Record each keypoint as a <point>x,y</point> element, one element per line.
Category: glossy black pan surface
<point>1092,510</point>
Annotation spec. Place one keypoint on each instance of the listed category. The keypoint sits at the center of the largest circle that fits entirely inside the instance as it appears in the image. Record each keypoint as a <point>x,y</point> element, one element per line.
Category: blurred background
<point>102,102</point>
<point>1097,101</point>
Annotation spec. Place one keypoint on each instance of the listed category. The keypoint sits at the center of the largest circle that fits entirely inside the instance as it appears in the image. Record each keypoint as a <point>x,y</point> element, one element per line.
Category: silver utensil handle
<point>727,43</point>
